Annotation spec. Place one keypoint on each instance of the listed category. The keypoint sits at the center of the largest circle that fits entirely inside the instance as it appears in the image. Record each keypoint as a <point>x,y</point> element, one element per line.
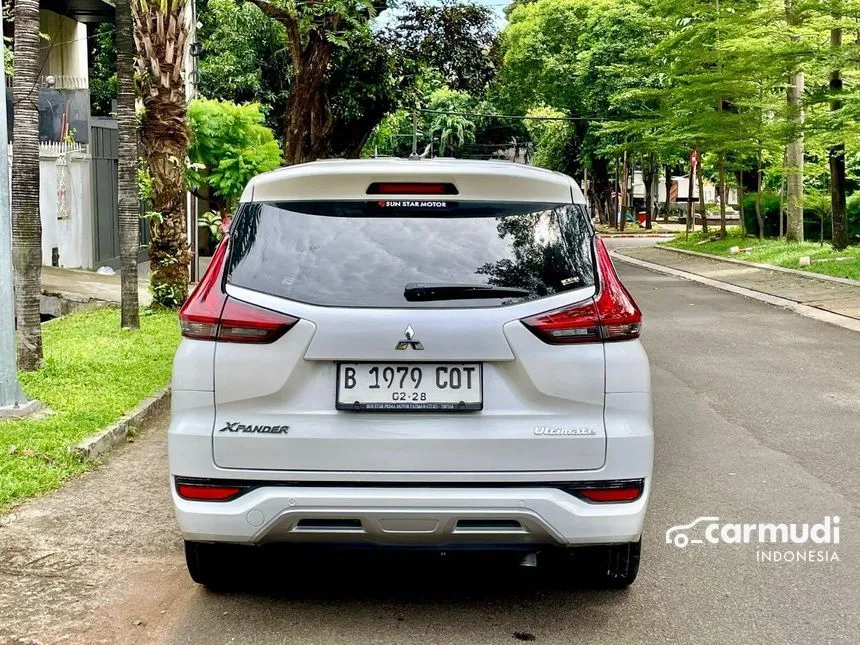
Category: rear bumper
<point>408,516</point>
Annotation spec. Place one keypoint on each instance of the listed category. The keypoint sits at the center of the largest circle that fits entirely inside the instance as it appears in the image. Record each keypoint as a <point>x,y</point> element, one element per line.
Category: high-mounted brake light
<point>609,316</point>
<point>411,188</point>
<point>210,314</point>
<point>208,492</point>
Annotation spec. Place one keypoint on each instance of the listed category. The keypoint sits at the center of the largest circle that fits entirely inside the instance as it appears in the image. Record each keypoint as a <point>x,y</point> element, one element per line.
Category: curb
<point>661,236</point>
<point>821,315</point>
<point>98,444</point>
<point>769,267</point>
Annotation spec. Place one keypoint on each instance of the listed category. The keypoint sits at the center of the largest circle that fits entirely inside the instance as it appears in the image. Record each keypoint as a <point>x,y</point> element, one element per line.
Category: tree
<point>160,35</point>
<point>448,121</point>
<point>794,149</point>
<point>367,79</point>
<point>837,151</point>
<point>229,146</point>
<point>128,208</point>
<point>245,57</point>
<point>26,222</point>
<point>458,39</point>
<point>552,139</point>
<point>103,81</point>
<point>315,29</point>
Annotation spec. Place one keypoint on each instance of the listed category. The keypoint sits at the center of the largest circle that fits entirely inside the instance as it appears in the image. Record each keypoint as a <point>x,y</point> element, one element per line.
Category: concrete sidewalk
<point>68,290</point>
<point>838,297</point>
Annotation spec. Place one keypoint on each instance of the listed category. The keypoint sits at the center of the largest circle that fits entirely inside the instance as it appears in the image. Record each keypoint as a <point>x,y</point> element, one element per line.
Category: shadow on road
<point>470,596</point>
<point>279,572</point>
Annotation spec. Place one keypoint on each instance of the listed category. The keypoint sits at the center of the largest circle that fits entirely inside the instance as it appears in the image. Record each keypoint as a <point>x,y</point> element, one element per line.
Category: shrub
<point>811,218</point>
<point>770,214</point>
<point>229,146</point>
<point>853,208</point>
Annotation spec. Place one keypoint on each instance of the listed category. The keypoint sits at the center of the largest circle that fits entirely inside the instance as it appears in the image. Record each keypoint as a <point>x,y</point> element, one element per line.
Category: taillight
<point>615,491</point>
<point>208,492</point>
<point>630,494</point>
<point>610,315</point>
<point>210,314</point>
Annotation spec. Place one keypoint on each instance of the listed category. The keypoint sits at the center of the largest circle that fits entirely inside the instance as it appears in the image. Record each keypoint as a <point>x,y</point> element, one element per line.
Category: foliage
<point>229,145</point>
<point>659,78</point>
<point>8,57</point>
<point>393,136</point>
<point>368,79</point>
<point>457,39</point>
<point>93,373</point>
<point>103,82</point>
<point>777,252</point>
<point>454,129</point>
<point>552,139</point>
<point>212,221</point>
<point>770,205</point>
<point>244,58</point>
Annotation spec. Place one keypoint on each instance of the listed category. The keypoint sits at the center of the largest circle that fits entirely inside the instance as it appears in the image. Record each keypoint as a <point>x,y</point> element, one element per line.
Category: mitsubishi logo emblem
<point>409,342</point>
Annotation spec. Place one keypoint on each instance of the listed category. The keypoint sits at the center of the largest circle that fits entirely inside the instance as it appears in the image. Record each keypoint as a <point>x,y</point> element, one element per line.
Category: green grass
<point>94,372</point>
<point>777,252</point>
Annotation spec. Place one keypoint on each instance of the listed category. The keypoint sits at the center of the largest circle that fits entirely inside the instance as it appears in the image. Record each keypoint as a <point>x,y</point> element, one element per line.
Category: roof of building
<point>94,11</point>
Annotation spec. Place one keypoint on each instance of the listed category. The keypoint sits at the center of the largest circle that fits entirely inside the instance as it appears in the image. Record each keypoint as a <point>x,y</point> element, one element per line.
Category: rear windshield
<point>395,253</point>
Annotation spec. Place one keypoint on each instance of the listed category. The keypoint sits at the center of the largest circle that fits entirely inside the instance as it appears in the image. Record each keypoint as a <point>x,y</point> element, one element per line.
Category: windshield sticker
<point>421,203</point>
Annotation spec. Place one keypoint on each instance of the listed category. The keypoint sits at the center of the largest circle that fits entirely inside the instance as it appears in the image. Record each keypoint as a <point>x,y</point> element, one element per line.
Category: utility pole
<point>12,399</point>
<point>414,154</point>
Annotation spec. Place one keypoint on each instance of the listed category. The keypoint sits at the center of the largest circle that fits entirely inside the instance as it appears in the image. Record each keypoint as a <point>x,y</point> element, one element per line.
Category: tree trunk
<point>668,181</point>
<point>26,222</point>
<point>794,150</point>
<point>690,215</point>
<point>598,188</point>
<point>616,203</point>
<point>649,170</point>
<point>723,231</point>
<point>623,192</point>
<point>759,216</point>
<point>308,120</point>
<point>837,157</point>
<point>740,180</point>
<point>702,210</point>
<point>128,208</point>
<point>160,40</point>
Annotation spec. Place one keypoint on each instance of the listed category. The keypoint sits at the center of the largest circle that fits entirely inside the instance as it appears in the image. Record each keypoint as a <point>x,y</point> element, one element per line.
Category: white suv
<point>401,353</point>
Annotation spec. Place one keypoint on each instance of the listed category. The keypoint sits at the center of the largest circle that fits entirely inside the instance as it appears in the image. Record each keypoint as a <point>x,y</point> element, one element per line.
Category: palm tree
<point>160,35</point>
<point>128,208</point>
<point>26,225</point>
<point>453,130</point>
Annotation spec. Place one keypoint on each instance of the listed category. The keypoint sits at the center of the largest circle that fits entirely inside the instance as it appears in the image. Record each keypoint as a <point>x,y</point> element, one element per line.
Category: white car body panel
<point>343,464</point>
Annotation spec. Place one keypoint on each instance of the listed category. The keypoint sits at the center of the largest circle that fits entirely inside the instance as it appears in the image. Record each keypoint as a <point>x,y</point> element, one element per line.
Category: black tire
<point>611,566</point>
<point>215,566</point>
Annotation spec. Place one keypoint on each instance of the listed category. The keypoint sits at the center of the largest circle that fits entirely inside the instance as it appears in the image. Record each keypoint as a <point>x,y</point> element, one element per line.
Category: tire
<point>215,566</point>
<point>611,566</point>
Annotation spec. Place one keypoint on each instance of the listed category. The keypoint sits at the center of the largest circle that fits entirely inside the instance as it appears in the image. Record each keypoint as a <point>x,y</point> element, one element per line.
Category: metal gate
<point>104,150</point>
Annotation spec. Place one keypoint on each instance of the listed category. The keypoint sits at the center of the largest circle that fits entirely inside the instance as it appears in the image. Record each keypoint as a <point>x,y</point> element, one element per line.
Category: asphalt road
<point>757,414</point>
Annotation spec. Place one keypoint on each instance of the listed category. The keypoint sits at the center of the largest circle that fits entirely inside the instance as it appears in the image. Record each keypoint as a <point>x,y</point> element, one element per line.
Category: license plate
<point>452,387</point>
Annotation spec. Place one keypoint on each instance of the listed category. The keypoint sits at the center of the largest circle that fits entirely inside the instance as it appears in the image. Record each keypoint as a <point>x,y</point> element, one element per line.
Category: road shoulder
<point>836,303</point>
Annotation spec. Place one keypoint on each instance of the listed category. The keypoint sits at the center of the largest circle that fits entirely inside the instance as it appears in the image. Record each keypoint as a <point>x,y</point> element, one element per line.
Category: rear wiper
<point>423,291</point>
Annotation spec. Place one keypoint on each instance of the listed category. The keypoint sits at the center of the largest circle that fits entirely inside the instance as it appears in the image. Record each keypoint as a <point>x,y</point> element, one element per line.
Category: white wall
<point>66,52</point>
<point>72,231</point>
